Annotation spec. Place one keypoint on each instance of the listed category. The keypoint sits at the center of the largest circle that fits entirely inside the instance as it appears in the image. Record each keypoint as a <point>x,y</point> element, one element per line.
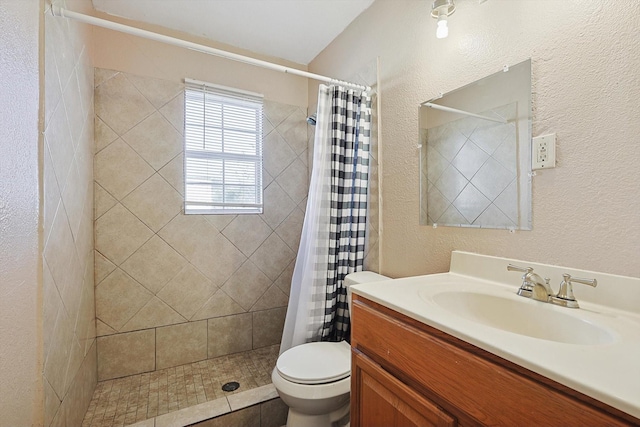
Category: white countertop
<point>607,372</point>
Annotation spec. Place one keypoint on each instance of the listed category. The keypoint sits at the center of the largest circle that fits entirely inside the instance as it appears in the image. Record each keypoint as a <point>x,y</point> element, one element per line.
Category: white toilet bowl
<point>314,379</point>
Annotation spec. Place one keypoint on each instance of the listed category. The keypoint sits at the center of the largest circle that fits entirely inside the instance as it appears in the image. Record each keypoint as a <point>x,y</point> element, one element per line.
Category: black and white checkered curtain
<point>350,131</point>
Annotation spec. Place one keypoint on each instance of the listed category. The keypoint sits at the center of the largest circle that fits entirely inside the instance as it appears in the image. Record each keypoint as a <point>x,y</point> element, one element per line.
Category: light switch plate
<point>544,152</point>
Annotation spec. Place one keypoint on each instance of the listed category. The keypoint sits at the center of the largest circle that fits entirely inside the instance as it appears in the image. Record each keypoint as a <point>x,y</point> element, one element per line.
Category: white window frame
<point>197,130</point>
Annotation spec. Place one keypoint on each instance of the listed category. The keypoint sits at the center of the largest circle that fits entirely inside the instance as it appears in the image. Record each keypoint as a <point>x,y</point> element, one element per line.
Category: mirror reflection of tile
<point>471,174</point>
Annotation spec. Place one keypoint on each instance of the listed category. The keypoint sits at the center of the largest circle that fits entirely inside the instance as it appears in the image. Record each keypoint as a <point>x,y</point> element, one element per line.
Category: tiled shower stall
<point>137,295</point>
<point>173,288</point>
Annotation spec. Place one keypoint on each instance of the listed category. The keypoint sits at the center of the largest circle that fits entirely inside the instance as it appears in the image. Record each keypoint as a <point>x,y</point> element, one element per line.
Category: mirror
<point>475,153</point>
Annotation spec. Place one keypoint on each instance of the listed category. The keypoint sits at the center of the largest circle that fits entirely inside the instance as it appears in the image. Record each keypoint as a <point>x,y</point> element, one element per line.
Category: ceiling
<point>295,30</point>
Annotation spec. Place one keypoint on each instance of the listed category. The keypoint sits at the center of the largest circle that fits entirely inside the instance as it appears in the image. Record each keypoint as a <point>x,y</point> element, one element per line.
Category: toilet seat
<point>315,363</point>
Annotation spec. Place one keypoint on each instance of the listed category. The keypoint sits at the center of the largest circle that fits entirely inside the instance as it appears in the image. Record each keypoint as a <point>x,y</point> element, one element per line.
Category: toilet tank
<point>358,278</point>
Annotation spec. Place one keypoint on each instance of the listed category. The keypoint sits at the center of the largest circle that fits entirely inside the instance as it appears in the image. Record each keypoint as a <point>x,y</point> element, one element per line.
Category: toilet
<point>314,379</point>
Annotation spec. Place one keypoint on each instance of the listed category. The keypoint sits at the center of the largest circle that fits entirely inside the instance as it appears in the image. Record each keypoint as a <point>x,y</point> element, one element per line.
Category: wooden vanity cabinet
<point>405,373</point>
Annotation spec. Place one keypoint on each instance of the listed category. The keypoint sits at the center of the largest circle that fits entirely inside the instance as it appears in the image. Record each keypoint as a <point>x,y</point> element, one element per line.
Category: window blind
<point>223,150</point>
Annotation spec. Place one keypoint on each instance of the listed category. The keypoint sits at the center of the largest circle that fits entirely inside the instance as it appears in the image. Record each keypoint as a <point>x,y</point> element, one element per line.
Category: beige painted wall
<point>20,272</point>
<point>135,55</point>
<point>586,212</point>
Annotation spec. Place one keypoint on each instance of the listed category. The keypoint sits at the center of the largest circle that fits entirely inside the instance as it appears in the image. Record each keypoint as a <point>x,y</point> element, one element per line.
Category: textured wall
<point>70,367</point>
<point>173,288</point>
<point>20,334</point>
<point>585,57</point>
<point>135,55</point>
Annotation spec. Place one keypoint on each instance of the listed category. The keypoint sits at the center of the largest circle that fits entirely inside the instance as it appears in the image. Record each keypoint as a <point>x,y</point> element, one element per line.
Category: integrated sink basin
<point>593,349</point>
<point>524,317</point>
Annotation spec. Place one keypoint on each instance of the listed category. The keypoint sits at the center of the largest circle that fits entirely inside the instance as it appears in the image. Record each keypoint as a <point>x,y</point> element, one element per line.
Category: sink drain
<point>231,386</point>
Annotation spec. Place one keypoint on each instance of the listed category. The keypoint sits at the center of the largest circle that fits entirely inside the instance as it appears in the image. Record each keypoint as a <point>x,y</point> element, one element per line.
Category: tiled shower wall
<point>68,284</point>
<point>171,288</point>
<point>471,174</point>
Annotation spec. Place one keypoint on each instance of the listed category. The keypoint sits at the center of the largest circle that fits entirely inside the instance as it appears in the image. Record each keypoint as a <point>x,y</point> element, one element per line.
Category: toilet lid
<point>315,362</point>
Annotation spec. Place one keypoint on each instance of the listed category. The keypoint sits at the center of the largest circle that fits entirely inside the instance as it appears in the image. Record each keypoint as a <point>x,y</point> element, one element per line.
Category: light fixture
<point>440,10</point>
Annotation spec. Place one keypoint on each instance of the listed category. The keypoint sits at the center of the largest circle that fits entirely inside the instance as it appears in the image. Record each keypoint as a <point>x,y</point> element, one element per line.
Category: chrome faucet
<point>565,296</point>
<point>533,286</point>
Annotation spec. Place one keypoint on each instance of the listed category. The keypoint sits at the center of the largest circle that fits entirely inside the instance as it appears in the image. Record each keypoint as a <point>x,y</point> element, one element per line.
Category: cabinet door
<point>380,400</point>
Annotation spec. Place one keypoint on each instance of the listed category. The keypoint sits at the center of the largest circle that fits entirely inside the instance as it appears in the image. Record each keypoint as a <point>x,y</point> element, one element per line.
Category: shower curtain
<point>333,234</point>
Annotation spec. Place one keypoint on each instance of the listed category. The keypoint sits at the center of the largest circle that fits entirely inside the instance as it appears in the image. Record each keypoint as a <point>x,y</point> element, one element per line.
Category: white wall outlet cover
<point>543,154</point>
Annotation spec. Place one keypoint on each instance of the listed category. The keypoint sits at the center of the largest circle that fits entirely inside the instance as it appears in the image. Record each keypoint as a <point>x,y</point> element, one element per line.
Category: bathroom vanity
<point>425,351</point>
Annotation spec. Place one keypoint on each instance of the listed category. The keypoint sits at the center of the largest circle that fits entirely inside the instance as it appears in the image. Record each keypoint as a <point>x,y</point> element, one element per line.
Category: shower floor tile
<point>127,400</point>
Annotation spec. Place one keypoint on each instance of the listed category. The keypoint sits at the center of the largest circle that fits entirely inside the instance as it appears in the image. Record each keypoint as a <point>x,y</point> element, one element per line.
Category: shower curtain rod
<point>65,13</point>
<point>466,113</point>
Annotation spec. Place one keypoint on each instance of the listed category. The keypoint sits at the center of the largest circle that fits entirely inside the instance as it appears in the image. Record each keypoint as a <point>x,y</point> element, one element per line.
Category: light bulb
<point>442,31</point>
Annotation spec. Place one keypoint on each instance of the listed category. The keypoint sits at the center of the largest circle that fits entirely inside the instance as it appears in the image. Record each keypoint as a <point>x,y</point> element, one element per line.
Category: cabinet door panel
<point>476,390</point>
<point>383,401</point>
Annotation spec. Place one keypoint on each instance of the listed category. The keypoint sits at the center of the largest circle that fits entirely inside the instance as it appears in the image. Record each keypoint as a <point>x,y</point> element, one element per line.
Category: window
<point>222,150</point>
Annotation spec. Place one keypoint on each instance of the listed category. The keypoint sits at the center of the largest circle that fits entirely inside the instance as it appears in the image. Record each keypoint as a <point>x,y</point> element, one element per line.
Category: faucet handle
<point>526,288</point>
<point>565,295</point>
<point>525,270</point>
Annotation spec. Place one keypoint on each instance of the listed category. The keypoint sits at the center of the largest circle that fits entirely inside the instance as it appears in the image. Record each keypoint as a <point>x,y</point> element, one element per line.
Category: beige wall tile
<point>118,298</point>
<point>247,285</point>
<point>230,334</point>
<point>277,112</point>
<point>81,390</point>
<point>220,222</point>
<point>101,75</point>
<point>51,403</point>
<point>188,291</point>
<point>154,313</point>
<point>174,112</point>
<point>154,264</point>
<point>60,249</point>
<point>51,192</point>
<point>181,344</point>
<point>119,169</point>
<point>52,301</point>
<point>55,366</point>
<point>267,326</point>
<point>103,201</point>
<point>272,298</point>
<point>173,173</point>
<point>120,105</point>
<point>277,205</point>
<point>294,130</point>
<point>73,106</point>
<point>291,229</point>
<point>220,304</point>
<point>154,202</point>
<point>277,154</point>
<point>126,354</point>
<point>86,320</point>
<point>283,282</point>
<point>104,135</point>
<point>58,139</point>
<point>103,329</point>
<point>119,234</point>
<point>273,256</point>
<point>247,232</point>
<point>158,92</point>
<point>294,182</point>
<point>69,310</point>
<point>203,246</point>
<point>103,267</point>
<point>155,139</point>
